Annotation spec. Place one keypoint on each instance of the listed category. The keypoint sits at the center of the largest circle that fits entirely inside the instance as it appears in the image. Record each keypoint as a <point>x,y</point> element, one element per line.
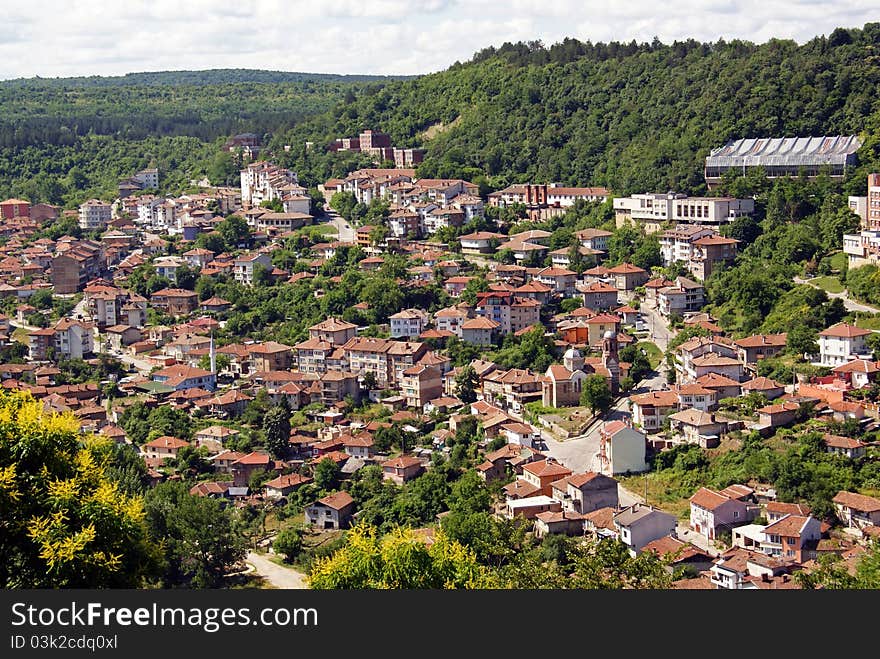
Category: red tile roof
<point>857,501</point>
<point>843,330</point>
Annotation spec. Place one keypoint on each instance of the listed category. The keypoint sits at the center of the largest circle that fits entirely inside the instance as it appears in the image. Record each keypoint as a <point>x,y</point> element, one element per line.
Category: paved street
<point>347,234</point>
<point>581,453</point>
<point>660,332</point>
<point>279,577</point>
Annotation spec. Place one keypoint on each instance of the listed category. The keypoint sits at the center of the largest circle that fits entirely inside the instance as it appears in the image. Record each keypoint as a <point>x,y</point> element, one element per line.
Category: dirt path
<point>279,577</point>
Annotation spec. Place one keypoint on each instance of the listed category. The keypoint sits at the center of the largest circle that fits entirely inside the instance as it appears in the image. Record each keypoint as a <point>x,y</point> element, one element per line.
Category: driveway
<point>280,577</point>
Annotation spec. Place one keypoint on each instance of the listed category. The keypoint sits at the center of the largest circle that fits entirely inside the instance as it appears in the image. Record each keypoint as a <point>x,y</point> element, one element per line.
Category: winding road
<point>280,577</point>
<point>847,302</point>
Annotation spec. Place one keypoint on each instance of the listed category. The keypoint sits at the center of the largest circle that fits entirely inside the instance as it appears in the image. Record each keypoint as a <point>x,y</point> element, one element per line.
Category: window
<point>735,514</point>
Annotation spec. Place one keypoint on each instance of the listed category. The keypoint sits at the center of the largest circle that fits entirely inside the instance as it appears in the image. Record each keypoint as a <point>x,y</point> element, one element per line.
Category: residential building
<point>649,410</point>
<point>478,331</point>
<point>288,220</point>
<point>760,346</point>
<point>628,277</point>
<point>94,215</point>
<point>337,386</point>
<point>166,266</point>
<point>531,506</point>
<point>713,512</point>
<point>332,512</point>
<point>163,447</point>
<point>73,340</point>
<point>794,537</point>
<point>402,469</point>
<point>522,434</point>
<point>846,446</point>
<point>599,295</point>
<point>677,245</point>
<point>270,356</point>
<point>243,468</point>
<point>74,267</point>
<point>857,510</point>
<point>481,242</point>
<point>595,239</point>
<point>690,351</point>
<point>692,426</point>
<point>263,181</point>
<point>543,473</point>
<point>639,524</point>
<point>420,384</point>
<point>684,296</point>
<point>695,396</point>
<point>175,301</point>
<point>280,487</point>
<point>561,280</point>
<point>311,355</point>
<point>586,492</point>
<point>622,449</point>
<point>334,331</point>
<point>857,374</point>
<point>510,312</point>
<point>770,388</point>
<point>243,269</point>
<point>181,377</point>
<point>198,257</point>
<point>408,323</point>
<point>512,389</point>
<point>842,343</point>
<point>710,253</point>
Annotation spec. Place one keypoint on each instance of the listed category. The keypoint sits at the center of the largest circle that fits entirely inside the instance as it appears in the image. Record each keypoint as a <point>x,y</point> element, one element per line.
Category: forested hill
<point>203,104</point>
<point>630,116</point>
<point>206,77</point>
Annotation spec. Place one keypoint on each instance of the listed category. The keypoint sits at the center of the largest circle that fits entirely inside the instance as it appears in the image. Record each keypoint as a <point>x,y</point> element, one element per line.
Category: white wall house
<point>842,343</point>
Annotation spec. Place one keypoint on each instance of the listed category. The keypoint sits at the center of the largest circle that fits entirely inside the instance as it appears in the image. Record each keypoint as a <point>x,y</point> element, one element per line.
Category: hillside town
<point>486,328</point>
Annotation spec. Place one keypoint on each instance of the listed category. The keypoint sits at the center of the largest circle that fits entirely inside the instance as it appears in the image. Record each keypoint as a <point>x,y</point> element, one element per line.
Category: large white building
<point>263,181</point>
<point>94,215</point>
<point>653,210</point>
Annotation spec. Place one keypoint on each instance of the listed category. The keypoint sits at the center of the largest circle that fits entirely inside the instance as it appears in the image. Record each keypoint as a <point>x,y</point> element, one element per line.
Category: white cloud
<point>109,37</point>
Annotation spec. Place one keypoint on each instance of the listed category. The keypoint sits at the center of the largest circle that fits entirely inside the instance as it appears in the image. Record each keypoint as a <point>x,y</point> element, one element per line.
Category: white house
<point>166,266</point>
<point>713,511</point>
<point>408,323</point>
<point>842,343</point>
<point>520,433</point>
<point>639,524</point>
<point>72,339</point>
<point>480,242</point>
<point>243,270</point>
<point>622,449</point>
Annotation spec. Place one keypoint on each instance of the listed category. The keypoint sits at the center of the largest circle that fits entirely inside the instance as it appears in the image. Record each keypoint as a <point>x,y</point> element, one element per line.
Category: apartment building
<point>94,215</point>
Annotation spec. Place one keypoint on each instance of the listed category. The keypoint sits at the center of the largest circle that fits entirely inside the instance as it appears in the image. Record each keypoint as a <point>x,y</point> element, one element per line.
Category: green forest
<point>632,117</point>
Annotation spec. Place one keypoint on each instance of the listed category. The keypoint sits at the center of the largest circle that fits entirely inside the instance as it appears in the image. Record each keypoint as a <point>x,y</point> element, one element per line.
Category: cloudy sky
<point>110,37</point>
